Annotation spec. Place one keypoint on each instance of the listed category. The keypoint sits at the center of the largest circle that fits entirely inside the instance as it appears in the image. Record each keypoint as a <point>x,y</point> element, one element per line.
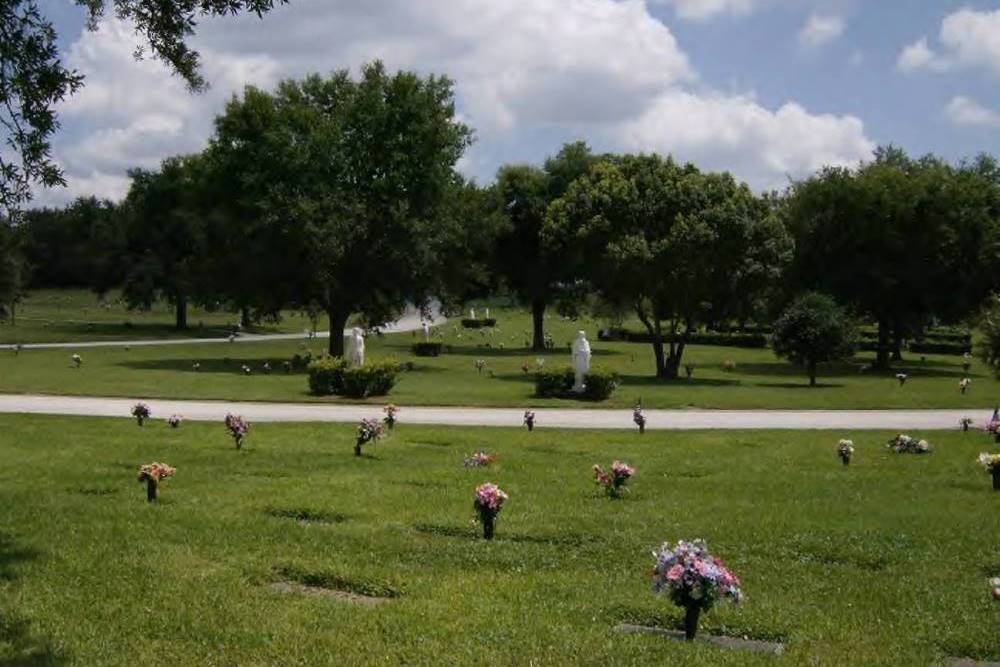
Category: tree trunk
<point>897,345</point>
<point>538,325</point>
<point>661,364</point>
<point>181,311</point>
<point>13,313</point>
<point>673,365</point>
<point>245,317</point>
<point>338,321</point>
<point>812,373</point>
<point>882,353</point>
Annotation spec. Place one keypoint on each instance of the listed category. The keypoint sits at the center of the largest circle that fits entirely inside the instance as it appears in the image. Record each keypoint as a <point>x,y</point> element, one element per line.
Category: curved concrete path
<point>843,420</point>
<point>410,321</point>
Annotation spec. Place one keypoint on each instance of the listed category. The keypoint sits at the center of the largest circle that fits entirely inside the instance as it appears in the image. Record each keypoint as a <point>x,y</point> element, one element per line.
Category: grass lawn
<point>759,381</point>
<point>882,563</point>
<point>55,316</point>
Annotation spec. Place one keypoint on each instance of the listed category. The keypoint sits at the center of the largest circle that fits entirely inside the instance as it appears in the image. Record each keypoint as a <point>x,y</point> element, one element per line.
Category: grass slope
<point>882,563</point>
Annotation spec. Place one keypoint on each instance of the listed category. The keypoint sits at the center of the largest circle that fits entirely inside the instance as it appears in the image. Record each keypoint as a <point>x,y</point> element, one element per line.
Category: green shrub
<point>375,378</point>
<point>330,376</point>
<point>553,383</point>
<point>749,340</point>
<point>426,349</point>
<point>940,347</point>
<point>600,383</point>
<point>326,375</point>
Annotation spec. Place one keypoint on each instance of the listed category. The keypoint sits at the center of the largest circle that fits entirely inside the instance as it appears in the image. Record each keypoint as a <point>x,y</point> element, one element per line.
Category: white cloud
<point>737,133</point>
<point>529,74</point>
<point>966,111</point>
<point>820,30</point>
<point>699,10</point>
<point>968,38</point>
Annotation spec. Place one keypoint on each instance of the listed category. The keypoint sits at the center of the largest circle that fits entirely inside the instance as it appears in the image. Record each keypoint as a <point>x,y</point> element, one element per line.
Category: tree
<point>12,273</point>
<point>33,80</point>
<point>348,179</point>
<point>164,235</point>
<point>989,324</point>
<point>523,195</point>
<point>668,242</point>
<point>814,330</point>
<point>902,241</point>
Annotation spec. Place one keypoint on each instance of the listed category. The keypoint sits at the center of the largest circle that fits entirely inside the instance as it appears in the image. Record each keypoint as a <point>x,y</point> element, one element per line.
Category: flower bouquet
<point>480,365</point>
<point>992,464</point>
<point>77,360</point>
<point>141,413</point>
<point>488,501</point>
<point>639,419</point>
<point>369,430</point>
<point>904,444</point>
<point>238,428</point>
<point>694,579</point>
<point>152,474</point>
<point>963,385</point>
<point>614,480</point>
<point>479,460</point>
<point>845,449</point>
<point>390,416</point>
<point>995,588</point>
<point>174,421</point>
<point>529,420</point>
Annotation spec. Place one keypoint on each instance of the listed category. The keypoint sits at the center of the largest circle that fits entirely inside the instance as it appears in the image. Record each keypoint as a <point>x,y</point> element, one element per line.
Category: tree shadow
<point>799,385</point>
<point>11,554</point>
<point>918,369</point>
<point>223,366</point>
<point>26,649</point>
<point>652,380</point>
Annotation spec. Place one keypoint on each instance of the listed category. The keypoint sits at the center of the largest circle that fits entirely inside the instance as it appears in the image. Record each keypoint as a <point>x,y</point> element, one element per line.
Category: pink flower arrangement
<point>238,428</point>
<point>369,430</point>
<point>614,480</point>
<point>174,421</point>
<point>694,579</point>
<point>488,501</point>
<point>479,460</point>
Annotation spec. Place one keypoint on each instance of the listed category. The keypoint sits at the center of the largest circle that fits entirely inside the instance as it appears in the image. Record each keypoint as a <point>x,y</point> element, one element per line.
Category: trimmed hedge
<point>934,347</point>
<point>479,323</point>
<point>331,376</point>
<point>426,349</point>
<point>698,338</point>
<point>599,383</point>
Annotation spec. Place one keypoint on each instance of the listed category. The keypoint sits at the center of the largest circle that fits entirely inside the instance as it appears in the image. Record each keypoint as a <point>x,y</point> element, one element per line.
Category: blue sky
<point>769,89</point>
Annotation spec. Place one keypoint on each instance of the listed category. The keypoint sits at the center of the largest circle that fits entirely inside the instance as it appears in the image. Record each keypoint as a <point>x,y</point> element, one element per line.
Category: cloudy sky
<point>768,89</point>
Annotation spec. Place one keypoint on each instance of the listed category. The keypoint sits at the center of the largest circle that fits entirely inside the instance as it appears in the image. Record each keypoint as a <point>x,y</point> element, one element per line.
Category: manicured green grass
<point>55,316</point>
<point>759,381</point>
<point>881,563</point>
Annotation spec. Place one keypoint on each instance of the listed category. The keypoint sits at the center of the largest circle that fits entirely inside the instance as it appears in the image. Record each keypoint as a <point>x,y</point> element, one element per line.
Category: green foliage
<point>939,347</point>
<point>331,376</point>
<point>599,383</point>
<point>748,340</point>
<point>989,348</point>
<point>814,330</point>
<point>426,348</point>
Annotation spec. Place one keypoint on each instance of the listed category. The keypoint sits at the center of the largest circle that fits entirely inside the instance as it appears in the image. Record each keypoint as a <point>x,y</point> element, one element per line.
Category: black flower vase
<point>846,458</point>
<point>239,442</point>
<point>965,427</point>
<point>531,425</point>
<point>642,428</point>
<point>140,420</point>
<point>996,479</point>
<point>691,614</point>
<point>996,437</point>
<point>357,448</point>
<point>151,488</point>
<point>489,524</point>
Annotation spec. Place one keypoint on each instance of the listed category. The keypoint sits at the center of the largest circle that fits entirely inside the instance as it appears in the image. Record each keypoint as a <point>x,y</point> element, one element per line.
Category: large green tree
<point>164,230</point>
<point>814,330</point>
<point>533,273</point>
<point>349,179</point>
<point>668,242</point>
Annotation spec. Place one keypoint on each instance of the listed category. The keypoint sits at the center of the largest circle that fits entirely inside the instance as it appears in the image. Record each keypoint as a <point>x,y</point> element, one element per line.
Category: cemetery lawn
<point>882,563</point>
<point>760,380</point>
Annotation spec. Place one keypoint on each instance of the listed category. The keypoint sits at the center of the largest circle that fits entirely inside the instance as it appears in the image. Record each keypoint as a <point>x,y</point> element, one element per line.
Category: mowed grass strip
<point>884,562</point>
<point>759,379</point>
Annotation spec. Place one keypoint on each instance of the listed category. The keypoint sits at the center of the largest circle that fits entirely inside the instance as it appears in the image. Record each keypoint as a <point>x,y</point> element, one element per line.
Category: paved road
<point>843,420</point>
<point>410,321</point>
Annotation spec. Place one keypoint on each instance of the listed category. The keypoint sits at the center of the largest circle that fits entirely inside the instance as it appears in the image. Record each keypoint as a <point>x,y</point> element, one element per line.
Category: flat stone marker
<point>731,643</point>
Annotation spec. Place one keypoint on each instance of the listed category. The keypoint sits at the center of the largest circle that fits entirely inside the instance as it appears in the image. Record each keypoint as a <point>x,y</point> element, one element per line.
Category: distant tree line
<point>340,195</point>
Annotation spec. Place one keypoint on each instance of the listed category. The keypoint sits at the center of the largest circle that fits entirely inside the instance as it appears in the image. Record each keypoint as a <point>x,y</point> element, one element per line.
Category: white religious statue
<point>427,330</point>
<point>356,348</point>
<point>487,313</point>
<point>581,360</point>
<point>472,313</point>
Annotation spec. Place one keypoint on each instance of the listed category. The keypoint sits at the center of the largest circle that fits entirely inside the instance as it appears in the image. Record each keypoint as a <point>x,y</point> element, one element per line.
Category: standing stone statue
<point>472,313</point>
<point>356,348</point>
<point>427,330</point>
<point>581,360</point>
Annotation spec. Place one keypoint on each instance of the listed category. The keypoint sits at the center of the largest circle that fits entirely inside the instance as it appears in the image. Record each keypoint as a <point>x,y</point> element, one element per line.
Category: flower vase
<point>996,478</point>
<point>846,459</point>
<point>489,524</point>
<point>140,420</point>
<point>239,442</point>
<point>151,489</point>
<point>357,448</point>
<point>642,428</point>
<point>965,427</point>
<point>531,426</point>
<point>691,614</point>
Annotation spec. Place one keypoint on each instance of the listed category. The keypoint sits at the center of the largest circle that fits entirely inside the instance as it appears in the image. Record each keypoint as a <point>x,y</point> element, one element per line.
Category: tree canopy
<point>814,330</point>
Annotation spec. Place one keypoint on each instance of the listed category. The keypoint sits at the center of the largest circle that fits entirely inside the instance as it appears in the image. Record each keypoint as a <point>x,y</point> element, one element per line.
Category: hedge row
<point>598,384</point>
<point>697,338</point>
<point>331,376</point>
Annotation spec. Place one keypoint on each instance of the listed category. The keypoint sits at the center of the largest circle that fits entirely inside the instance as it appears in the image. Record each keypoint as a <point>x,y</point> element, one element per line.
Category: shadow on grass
<point>917,369</point>
<point>11,554</point>
<point>653,381</point>
<point>799,385</point>
<point>225,365</point>
<point>475,533</point>
<point>21,648</point>
<point>125,330</point>
<point>490,352</point>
